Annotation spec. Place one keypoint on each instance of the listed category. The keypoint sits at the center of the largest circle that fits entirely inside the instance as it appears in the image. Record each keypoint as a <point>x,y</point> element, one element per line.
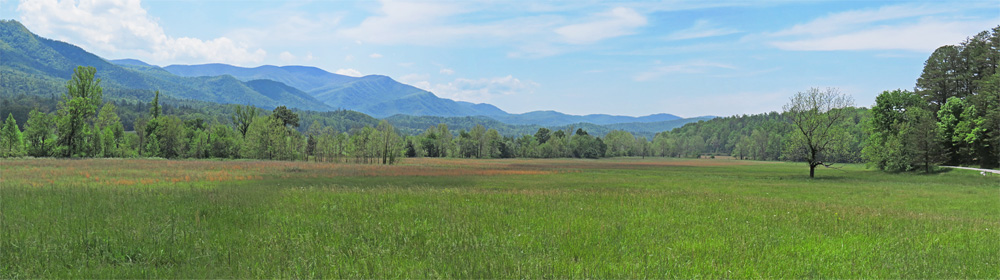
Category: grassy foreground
<point>434,218</point>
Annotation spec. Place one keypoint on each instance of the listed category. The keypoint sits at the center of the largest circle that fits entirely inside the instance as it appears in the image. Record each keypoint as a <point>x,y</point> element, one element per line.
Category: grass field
<point>449,218</point>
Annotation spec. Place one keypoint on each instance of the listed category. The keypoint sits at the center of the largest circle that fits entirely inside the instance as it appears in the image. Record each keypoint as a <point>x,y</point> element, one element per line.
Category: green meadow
<point>453,218</point>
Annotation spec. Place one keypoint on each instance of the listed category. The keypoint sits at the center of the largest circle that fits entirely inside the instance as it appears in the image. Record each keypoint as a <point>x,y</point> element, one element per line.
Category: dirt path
<point>976,169</point>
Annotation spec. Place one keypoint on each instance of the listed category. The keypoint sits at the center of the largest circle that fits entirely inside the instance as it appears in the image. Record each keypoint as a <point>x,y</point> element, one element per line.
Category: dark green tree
<point>287,117</point>
<point>902,134</point>
<point>940,78</point>
<point>77,108</point>
<point>39,132</point>
<point>542,135</point>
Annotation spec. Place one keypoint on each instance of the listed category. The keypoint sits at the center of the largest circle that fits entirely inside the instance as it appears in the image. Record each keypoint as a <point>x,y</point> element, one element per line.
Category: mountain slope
<point>376,95</point>
<point>303,78</point>
<point>30,64</point>
<point>381,96</point>
<point>546,118</point>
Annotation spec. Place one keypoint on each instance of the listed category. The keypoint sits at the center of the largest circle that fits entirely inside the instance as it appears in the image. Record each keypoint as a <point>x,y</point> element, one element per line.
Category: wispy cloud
<point>701,29</point>
<point>349,72</point>
<point>473,90</point>
<point>116,27</point>
<point>617,22</point>
<point>694,67</point>
<point>422,23</point>
<point>908,27</point>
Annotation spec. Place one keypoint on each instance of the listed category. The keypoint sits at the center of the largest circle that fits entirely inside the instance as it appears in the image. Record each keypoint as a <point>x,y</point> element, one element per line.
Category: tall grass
<point>434,218</point>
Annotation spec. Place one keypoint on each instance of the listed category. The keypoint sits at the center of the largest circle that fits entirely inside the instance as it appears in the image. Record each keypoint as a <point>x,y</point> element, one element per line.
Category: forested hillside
<point>33,65</point>
<point>952,118</point>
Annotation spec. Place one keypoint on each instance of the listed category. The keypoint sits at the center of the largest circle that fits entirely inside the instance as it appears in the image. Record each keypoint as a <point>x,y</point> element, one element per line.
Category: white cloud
<point>701,29</point>
<point>375,55</point>
<point>484,89</point>
<point>124,27</point>
<point>472,90</point>
<point>695,67</point>
<point>910,27</point>
<point>348,72</point>
<point>924,36</point>
<point>417,80</point>
<point>348,58</point>
<point>286,57</point>
<point>284,26</point>
<point>405,22</point>
<point>619,21</point>
<point>446,71</point>
<point>837,22</point>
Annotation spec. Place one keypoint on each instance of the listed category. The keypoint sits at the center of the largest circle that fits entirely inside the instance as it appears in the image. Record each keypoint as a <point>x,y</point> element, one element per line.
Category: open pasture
<point>453,218</point>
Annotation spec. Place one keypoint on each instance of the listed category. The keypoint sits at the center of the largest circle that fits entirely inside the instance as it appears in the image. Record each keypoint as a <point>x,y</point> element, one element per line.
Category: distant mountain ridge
<point>381,96</point>
<point>30,64</point>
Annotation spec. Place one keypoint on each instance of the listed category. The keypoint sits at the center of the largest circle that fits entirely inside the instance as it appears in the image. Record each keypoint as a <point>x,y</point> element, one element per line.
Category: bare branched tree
<point>817,115</point>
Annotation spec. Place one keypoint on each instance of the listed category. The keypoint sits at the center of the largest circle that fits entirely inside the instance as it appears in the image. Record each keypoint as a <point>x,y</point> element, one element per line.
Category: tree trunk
<point>812,171</point>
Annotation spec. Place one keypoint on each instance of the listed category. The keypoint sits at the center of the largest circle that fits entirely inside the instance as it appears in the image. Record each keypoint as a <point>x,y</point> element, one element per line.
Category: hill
<point>376,95</point>
<point>40,66</point>
<point>36,66</point>
<point>381,96</point>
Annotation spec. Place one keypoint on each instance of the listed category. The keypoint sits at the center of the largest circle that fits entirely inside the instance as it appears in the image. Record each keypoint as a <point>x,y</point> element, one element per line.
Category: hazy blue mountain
<point>656,127</point>
<point>547,118</point>
<point>33,65</point>
<point>381,96</point>
<point>376,95</point>
<point>416,125</point>
<point>304,78</point>
<point>30,64</point>
<point>132,62</point>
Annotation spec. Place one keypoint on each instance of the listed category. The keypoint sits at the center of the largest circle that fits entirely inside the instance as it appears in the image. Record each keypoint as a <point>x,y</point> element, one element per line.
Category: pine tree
<point>12,143</point>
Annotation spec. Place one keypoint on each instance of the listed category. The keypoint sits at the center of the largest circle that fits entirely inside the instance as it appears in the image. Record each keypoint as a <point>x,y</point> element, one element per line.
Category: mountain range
<point>381,96</point>
<point>30,64</point>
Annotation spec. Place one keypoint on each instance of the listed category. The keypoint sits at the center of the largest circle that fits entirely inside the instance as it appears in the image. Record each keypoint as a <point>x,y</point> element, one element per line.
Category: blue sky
<point>688,58</point>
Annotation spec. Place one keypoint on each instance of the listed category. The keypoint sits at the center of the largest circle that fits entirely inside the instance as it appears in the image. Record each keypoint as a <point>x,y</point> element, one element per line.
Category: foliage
<point>903,133</point>
<point>817,116</point>
<point>287,117</point>
<point>242,117</point>
<point>11,140</point>
<point>40,134</point>
<point>959,85</point>
<point>76,110</point>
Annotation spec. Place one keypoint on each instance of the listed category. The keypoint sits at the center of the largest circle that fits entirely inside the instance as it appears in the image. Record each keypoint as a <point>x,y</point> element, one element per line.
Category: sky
<point>688,58</point>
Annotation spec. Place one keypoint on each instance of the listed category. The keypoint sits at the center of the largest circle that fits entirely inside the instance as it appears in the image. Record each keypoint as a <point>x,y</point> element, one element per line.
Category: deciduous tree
<point>78,106</point>
<point>817,115</point>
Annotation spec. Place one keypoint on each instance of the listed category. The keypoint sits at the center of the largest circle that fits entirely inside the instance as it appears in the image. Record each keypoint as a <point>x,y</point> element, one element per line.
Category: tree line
<point>951,117</point>
<point>83,125</point>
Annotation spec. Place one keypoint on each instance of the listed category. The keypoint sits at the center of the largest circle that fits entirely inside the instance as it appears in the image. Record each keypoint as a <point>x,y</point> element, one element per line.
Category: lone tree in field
<point>817,116</point>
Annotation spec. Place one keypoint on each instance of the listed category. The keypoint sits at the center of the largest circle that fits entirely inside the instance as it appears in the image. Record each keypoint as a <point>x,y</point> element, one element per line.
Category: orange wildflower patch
<point>144,172</point>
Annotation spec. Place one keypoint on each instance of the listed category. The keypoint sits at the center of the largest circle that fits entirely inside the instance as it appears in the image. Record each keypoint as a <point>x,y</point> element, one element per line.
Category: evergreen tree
<point>39,132</point>
<point>11,141</point>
